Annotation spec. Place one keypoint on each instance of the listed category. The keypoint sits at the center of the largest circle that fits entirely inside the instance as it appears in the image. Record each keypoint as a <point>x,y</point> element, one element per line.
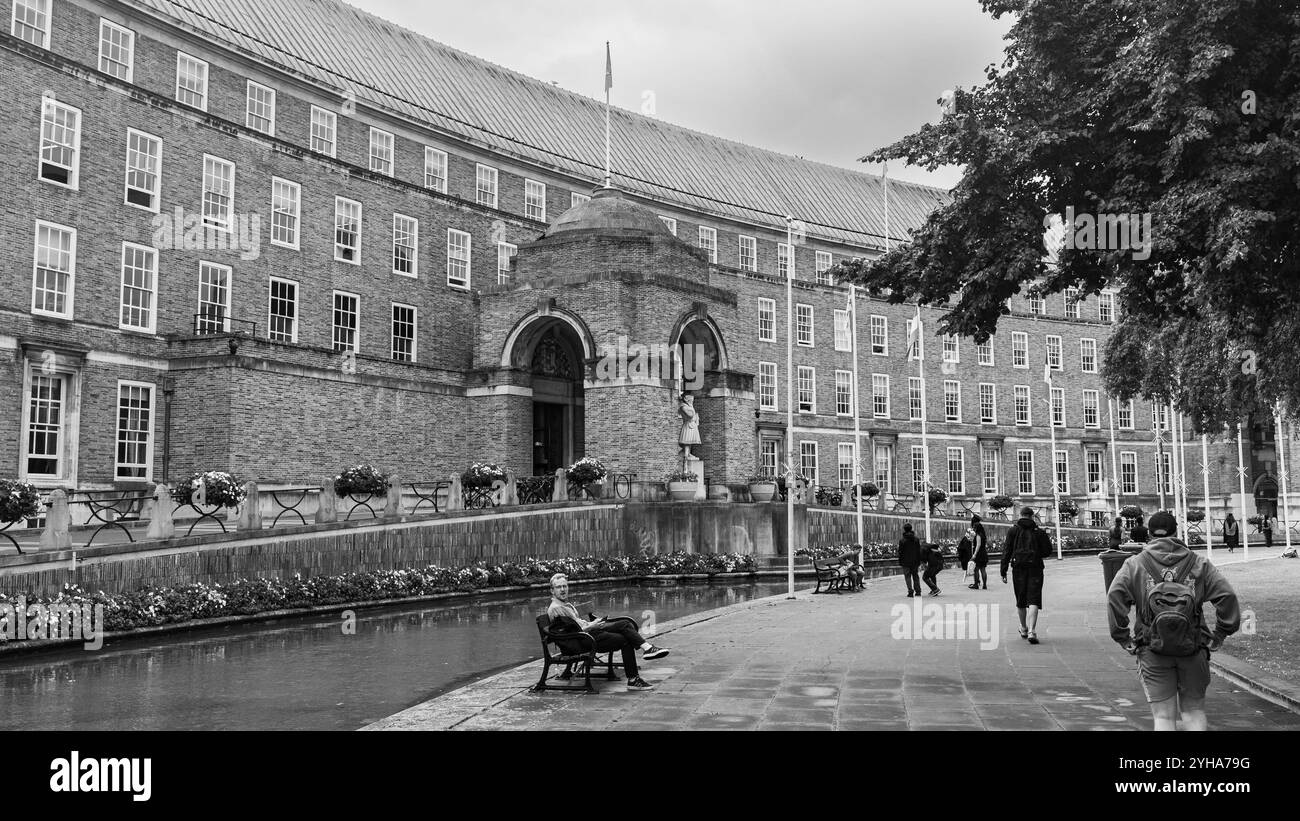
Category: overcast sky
<point>828,80</point>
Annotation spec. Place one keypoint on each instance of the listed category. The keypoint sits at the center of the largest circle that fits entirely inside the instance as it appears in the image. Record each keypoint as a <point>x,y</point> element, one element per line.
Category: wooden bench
<point>828,572</point>
<point>570,648</point>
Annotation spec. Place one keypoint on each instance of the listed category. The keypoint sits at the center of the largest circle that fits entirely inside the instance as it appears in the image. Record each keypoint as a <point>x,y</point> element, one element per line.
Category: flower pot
<point>762,491</point>
<point>682,491</point>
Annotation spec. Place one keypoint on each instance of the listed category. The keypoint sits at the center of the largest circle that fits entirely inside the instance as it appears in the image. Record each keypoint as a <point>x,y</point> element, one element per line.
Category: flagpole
<point>857,415</point>
<point>925,412</point>
<point>1176,474</point>
<point>1160,454</point>
<point>1056,485</point>
<point>1182,464</point>
<point>1205,478</point>
<point>1114,465</point>
<point>609,83</point>
<point>789,407</point>
<point>1241,479</point>
<point>1281,468</point>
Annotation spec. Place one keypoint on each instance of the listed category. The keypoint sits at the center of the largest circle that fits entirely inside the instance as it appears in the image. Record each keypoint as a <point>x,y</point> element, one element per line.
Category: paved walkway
<point>831,662</point>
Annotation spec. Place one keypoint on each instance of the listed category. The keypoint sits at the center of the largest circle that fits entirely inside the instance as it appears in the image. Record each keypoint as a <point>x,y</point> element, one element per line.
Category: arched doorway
<point>551,352</point>
<point>698,345</point>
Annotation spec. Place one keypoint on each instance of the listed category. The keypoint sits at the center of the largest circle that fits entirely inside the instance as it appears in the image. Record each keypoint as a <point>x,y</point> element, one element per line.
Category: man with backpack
<point>932,560</point>
<point>1167,585</point>
<point>1024,550</point>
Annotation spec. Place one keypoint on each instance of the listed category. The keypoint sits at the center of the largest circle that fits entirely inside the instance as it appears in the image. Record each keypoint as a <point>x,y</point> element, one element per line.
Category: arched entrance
<point>703,357</point>
<point>552,354</point>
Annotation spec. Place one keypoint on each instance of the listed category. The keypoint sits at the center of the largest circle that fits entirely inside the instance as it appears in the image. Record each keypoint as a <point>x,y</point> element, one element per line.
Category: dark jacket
<point>1042,543</point>
<point>932,557</point>
<point>1131,584</point>
<point>1116,536</point>
<point>909,550</point>
<point>1139,534</point>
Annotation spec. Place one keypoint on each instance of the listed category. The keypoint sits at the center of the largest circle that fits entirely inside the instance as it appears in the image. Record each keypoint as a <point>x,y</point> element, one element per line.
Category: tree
<point>1184,113</point>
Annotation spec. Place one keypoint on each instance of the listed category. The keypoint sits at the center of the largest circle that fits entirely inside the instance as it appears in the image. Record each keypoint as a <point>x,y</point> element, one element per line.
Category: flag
<point>609,70</point>
<point>914,336</point>
<point>1047,368</point>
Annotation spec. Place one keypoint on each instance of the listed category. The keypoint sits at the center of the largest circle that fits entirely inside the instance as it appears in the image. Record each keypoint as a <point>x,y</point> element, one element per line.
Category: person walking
<point>1139,532</point>
<point>979,554</point>
<point>932,558</point>
<point>1024,550</point>
<point>1166,586</point>
<point>909,558</point>
<point>1231,533</point>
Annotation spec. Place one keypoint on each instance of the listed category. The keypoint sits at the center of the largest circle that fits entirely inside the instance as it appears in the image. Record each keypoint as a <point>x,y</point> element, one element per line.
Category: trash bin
<point>1111,561</point>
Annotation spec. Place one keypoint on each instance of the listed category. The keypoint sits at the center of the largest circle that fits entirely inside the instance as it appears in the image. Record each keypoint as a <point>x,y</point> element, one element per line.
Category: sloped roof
<point>349,50</point>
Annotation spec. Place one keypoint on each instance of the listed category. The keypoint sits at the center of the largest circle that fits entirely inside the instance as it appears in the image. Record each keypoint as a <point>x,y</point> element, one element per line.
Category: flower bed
<point>586,470</point>
<point>361,480</point>
<point>482,474</point>
<point>220,489</point>
<point>18,501</point>
<point>152,607</point>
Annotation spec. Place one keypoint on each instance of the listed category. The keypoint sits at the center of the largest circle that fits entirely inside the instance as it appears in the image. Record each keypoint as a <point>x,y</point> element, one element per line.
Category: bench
<point>584,654</point>
<point>828,572</point>
<point>897,503</point>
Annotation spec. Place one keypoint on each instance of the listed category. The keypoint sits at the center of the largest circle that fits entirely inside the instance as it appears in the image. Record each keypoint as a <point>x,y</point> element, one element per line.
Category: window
<point>768,456</point>
<point>879,335</point>
<point>1054,352</point>
<point>808,461</point>
<point>1092,467</point>
<point>1091,409</point>
<point>748,254</point>
<point>1126,415</point>
<point>669,221</point>
<point>346,321</point>
<point>46,421</point>
<point>1160,417</point>
<point>823,268</point>
<point>1062,462</point>
<point>1024,416</point>
<point>1088,355</point>
<point>880,395</point>
<point>844,393</point>
<point>990,459</point>
<point>843,333</point>
<point>576,199</point>
<point>347,231</point>
<point>1058,407</point>
<point>214,298</point>
<point>54,270</point>
<point>535,200</point>
<point>914,398</point>
<point>404,317</point>
<point>988,404</point>
<point>1019,349</point>
<point>1106,307</point>
<point>783,260</point>
<point>984,352</point>
<point>1025,471</point>
<point>1164,471</point>
<point>406,239</point>
<point>191,81</point>
<point>139,288</point>
<point>1128,473</point>
<point>32,21</point>
<point>116,50</point>
<point>458,257</point>
<point>261,108</point>
<point>766,320</point>
<point>803,326</point>
<point>218,192</point>
<point>807,389</point>
<point>282,324</point>
<point>767,386</point>
<point>918,469</point>
<point>1072,299</point>
<point>485,185</point>
<point>323,131</point>
<point>143,169</point>
<point>60,142</point>
<point>381,152</point>
<point>956,470</point>
<point>505,261</point>
<point>435,169</point>
<point>709,242</point>
<point>951,351</point>
<point>952,400</point>
<point>1037,305</point>
<point>847,461</point>
<point>134,430</point>
<point>884,468</point>
<point>286,202</point>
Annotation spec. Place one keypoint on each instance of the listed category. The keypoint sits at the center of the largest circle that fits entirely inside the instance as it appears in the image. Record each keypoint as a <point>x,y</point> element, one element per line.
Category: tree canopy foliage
<point>1186,112</point>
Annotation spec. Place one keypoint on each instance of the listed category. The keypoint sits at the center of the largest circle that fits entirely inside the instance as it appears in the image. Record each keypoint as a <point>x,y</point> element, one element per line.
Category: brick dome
<point>608,212</point>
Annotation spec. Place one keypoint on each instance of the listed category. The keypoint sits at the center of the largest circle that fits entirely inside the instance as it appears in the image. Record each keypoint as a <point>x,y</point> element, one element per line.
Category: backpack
<point>1172,620</point>
<point>1025,551</point>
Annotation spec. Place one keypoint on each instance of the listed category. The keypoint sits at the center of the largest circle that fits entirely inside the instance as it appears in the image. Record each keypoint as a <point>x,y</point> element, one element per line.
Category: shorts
<point>1163,677</point>
<point>1028,586</point>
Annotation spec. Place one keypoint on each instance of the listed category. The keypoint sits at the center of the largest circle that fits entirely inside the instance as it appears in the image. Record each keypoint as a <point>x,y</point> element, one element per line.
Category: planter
<point>682,491</point>
<point>762,491</point>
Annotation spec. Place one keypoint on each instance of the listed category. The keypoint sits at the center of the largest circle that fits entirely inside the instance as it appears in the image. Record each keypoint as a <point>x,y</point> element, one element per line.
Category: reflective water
<point>307,673</point>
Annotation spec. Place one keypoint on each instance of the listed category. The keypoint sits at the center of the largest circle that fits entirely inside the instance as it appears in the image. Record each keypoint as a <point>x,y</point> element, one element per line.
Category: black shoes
<point>639,683</point>
<point>654,653</point>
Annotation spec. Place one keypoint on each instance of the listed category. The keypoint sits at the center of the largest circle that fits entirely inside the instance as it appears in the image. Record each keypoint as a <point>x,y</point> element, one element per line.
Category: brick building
<point>281,237</point>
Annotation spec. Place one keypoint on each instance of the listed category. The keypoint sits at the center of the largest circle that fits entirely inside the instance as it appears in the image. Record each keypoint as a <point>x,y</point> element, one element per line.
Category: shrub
<point>869,490</point>
<point>585,471</point>
<point>937,497</point>
<point>1001,502</point>
<point>219,488</point>
<point>1130,511</point>
<point>1068,507</point>
<point>760,477</point>
<point>361,480</point>
<point>1195,514</point>
<point>18,501</point>
<point>682,476</point>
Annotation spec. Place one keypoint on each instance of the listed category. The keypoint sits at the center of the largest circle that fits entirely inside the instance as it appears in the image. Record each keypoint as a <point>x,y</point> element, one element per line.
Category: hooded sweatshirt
<point>1131,583</point>
<point>909,550</point>
<point>1041,540</point>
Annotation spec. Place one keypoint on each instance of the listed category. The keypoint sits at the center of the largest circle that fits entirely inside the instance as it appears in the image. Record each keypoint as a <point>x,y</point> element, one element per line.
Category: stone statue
<point>690,433</point>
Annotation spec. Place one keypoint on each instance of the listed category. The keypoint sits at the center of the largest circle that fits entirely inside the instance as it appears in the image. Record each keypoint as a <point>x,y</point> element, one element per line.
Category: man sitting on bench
<point>618,634</point>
